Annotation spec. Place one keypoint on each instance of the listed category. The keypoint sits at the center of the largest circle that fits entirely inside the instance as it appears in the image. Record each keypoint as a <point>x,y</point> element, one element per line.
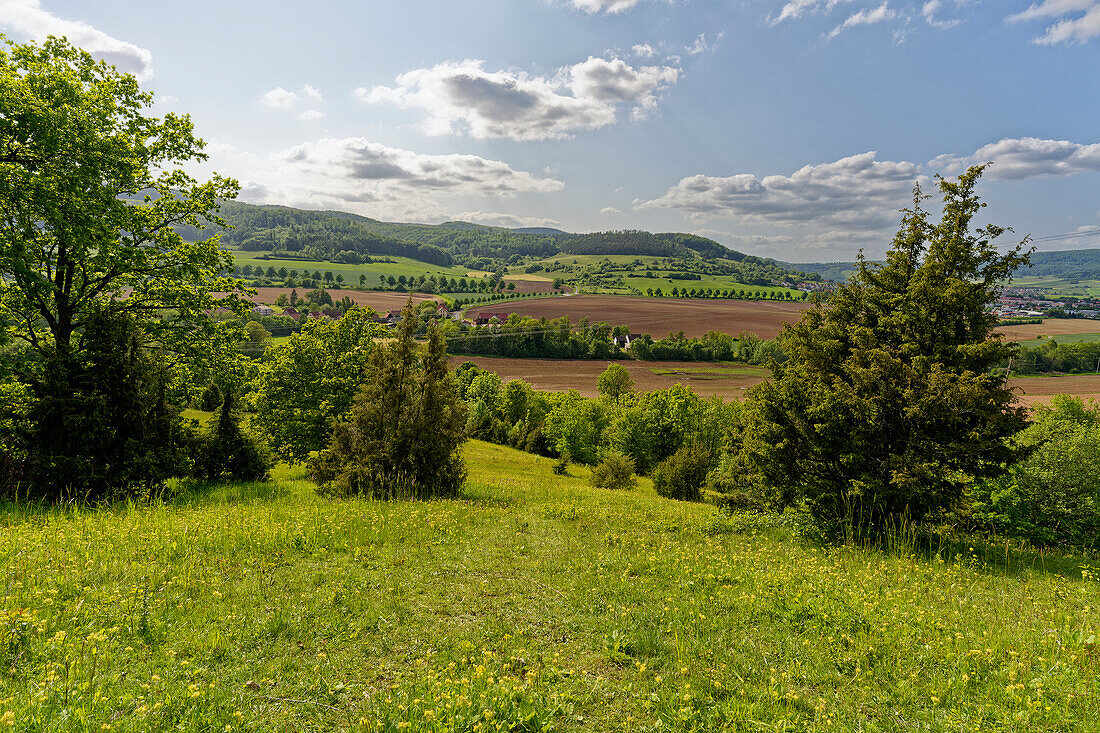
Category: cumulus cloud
<point>1076,21</point>
<point>508,221</point>
<point>284,99</point>
<point>354,174</point>
<point>27,18</point>
<point>463,96</point>
<point>643,50</point>
<point>610,210</point>
<point>1028,157</point>
<point>867,16</point>
<point>853,193</point>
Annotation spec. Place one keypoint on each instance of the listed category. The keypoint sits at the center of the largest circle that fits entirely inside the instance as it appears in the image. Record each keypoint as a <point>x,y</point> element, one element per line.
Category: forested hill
<point>1072,265</point>
<point>340,236</point>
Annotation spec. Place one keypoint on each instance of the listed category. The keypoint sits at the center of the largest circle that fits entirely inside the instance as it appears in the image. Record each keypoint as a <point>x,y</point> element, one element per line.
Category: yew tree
<point>891,401</point>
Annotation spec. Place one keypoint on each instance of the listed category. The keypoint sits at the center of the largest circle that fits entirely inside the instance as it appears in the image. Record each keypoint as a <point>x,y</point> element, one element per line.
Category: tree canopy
<point>90,190</point>
<point>889,404</point>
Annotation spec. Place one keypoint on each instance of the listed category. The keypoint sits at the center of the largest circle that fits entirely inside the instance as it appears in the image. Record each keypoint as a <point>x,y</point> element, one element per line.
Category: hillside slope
<point>534,600</point>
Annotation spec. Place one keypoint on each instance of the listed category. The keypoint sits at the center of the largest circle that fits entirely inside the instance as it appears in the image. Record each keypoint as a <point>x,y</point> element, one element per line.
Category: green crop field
<point>400,266</point>
<point>1082,288</point>
<point>534,603</point>
<point>1063,338</point>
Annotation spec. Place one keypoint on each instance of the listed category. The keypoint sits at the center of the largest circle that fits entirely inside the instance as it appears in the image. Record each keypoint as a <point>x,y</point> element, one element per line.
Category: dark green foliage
<point>227,453</point>
<point>405,428</point>
<point>210,399</point>
<point>683,474</point>
<point>100,426</point>
<point>615,471</point>
<point>1052,496</point>
<point>886,406</point>
<point>521,337</point>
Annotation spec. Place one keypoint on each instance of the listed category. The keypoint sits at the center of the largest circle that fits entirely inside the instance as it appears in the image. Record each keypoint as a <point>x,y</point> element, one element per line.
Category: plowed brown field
<point>1049,327</point>
<point>660,316</point>
<point>716,379</point>
<point>558,375</point>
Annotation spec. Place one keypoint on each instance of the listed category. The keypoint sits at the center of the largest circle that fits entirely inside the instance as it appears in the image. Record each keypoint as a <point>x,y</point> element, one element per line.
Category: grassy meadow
<point>534,603</point>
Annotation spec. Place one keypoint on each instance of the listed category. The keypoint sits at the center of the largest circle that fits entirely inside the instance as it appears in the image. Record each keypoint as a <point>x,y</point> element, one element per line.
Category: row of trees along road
<point>887,406</point>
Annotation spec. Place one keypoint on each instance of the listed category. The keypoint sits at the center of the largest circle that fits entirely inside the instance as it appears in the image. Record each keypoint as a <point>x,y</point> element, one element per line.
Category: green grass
<point>534,601</point>
<point>1056,286</point>
<point>1067,338</point>
<point>400,266</point>
<point>733,370</point>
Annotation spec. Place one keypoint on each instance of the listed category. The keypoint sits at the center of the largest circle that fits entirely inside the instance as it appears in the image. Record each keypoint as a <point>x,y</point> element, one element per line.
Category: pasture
<point>1049,328</point>
<point>533,603</point>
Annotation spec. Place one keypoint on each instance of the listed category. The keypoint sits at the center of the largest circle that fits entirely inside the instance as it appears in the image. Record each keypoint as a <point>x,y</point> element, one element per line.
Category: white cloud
<point>1078,21</point>
<point>933,11</point>
<point>279,98</point>
<point>643,50</point>
<point>700,45</point>
<point>1029,157</point>
<point>288,101</point>
<point>853,193</point>
<point>795,9</point>
<point>610,210</point>
<point>27,18</point>
<point>354,174</point>
<point>508,221</point>
<point>604,6</point>
<point>463,96</point>
<point>867,16</point>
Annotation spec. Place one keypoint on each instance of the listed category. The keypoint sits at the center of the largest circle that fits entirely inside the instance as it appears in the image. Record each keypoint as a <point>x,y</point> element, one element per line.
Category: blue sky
<point>784,128</point>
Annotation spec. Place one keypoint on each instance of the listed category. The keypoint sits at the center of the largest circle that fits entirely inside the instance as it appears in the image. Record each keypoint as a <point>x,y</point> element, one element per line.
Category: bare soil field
<point>660,316</point>
<point>558,375</point>
<point>1049,327</point>
<point>728,381</point>
<point>1040,390</point>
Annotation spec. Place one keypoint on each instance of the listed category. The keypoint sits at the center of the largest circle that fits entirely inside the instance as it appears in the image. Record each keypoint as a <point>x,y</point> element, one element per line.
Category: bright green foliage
<point>311,381</point>
<point>1051,497</point>
<point>614,382</point>
<point>614,471</point>
<point>682,475</point>
<point>402,437</point>
<point>574,425</point>
<point>887,406</point>
<point>227,453</point>
<point>91,190</point>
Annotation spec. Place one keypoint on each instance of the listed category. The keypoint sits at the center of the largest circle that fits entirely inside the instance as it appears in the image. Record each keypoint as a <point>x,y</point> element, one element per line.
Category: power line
<point>1067,235</point>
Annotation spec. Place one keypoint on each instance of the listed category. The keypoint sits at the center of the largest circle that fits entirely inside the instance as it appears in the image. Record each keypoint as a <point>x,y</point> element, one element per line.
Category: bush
<point>227,453</point>
<point>615,471</point>
<point>682,475</point>
<point>1051,497</point>
<point>403,436</point>
<point>99,426</point>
